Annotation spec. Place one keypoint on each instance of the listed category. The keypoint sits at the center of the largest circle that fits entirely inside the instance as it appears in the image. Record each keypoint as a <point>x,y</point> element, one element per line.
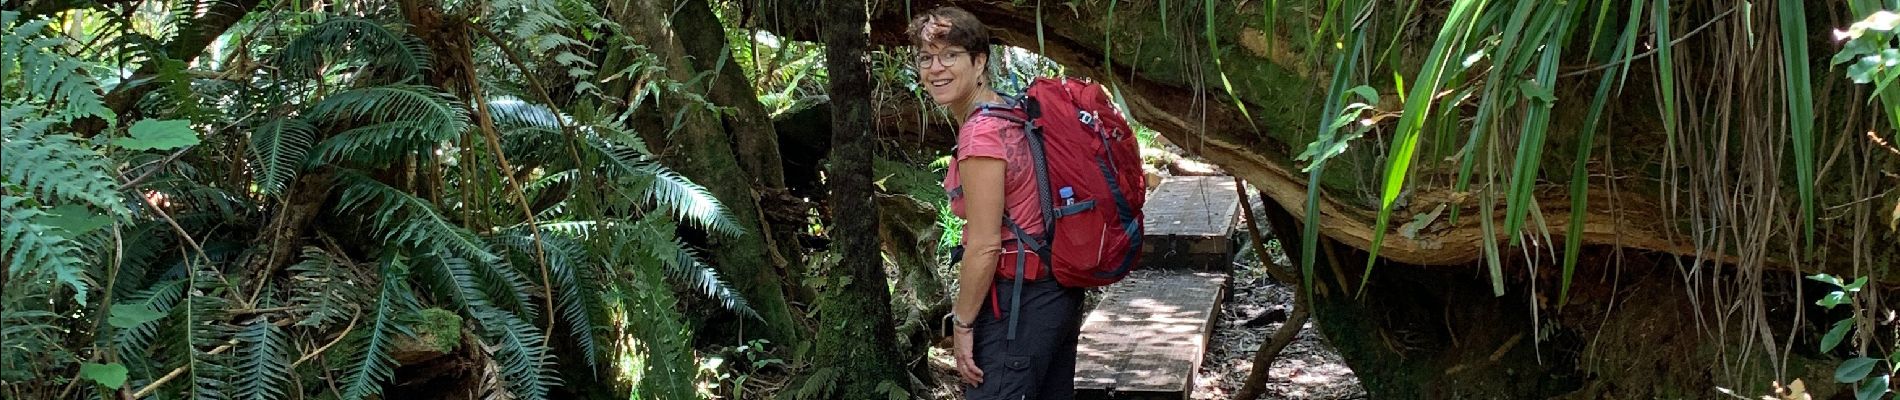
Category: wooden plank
<point>1190,222</point>
<point>1146,337</point>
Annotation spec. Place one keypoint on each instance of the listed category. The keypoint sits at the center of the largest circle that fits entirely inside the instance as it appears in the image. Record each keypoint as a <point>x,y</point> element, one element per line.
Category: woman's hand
<point>965,348</point>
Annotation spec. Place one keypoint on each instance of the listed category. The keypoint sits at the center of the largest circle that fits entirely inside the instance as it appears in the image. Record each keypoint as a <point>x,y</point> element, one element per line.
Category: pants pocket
<point>1009,379</point>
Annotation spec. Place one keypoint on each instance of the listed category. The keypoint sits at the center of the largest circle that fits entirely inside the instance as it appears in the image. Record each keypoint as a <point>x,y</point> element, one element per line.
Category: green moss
<point>438,329</point>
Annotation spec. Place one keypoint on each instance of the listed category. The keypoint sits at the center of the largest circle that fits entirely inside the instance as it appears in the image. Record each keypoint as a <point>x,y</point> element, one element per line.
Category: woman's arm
<point>982,181</point>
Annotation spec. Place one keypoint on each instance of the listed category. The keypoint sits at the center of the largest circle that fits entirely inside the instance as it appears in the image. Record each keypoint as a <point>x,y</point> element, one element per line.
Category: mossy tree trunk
<point>857,337</point>
<point>700,147</point>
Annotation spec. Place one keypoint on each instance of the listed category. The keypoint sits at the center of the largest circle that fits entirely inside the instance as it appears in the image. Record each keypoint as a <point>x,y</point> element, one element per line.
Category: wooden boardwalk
<point>1146,337</point>
<point>1190,222</point>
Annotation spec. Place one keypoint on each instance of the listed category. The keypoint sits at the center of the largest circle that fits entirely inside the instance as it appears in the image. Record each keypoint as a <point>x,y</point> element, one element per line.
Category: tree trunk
<point>857,337</point>
<point>701,149</point>
<point>754,139</point>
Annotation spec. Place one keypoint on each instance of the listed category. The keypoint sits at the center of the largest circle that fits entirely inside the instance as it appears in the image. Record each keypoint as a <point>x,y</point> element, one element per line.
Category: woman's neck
<point>983,95</point>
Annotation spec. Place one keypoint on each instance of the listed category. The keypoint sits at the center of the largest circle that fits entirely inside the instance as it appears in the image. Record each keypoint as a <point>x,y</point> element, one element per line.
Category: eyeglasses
<point>925,59</point>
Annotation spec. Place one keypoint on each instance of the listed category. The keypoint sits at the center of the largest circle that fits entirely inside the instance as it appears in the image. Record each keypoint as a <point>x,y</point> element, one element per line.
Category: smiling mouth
<point>940,83</point>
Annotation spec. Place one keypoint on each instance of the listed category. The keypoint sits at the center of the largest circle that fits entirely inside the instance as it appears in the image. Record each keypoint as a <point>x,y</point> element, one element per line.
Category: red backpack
<point>1089,180</point>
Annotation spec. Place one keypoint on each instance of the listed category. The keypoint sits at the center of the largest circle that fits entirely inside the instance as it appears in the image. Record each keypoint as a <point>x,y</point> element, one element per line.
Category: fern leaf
<point>37,247</point>
<point>264,362</point>
<point>654,236</point>
<point>279,147</point>
<point>375,145</point>
<point>58,167</point>
<point>374,365</point>
<point>407,220</point>
<point>565,262</point>
<point>523,355</point>
<point>667,189</point>
<point>325,287</point>
<point>355,39</point>
<point>160,297</point>
<point>433,110</point>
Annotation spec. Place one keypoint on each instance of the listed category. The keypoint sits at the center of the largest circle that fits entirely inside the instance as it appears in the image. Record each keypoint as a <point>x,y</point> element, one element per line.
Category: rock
<point>1187,167</point>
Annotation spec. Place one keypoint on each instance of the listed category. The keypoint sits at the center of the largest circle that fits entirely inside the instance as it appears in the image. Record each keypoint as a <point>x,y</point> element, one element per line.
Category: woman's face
<point>950,73</point>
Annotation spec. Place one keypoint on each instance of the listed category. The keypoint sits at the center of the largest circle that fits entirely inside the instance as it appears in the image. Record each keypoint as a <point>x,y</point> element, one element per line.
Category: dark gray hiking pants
<point>1040,363</point>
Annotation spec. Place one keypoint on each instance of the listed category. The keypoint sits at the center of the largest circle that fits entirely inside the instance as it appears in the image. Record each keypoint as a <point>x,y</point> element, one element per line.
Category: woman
<point>990,179</point>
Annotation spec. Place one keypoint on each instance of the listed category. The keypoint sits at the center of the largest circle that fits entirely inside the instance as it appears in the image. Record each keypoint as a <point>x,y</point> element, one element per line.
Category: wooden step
<point>1146,337</point>
<point>1190,223</point>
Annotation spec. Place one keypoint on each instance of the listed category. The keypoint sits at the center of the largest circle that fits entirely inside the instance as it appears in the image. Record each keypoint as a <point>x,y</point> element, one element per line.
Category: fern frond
<point>566,261</point>
<point>54,78</point>
<point>373,365</point>
<point>162,298</point>
<point>510,113</point>
<point>407,220</point>
<point>357,39</point>
<point>264,361</point>
<point>58,167</point>
<point>37,247</point>
<point>666,189</point>
<point>375,144</point>
<point>523,356</point>
<point>654,236</point>
<point>435,111</point>
<point>279,147</point>
<point>325,287</point>
<point>525,361</point>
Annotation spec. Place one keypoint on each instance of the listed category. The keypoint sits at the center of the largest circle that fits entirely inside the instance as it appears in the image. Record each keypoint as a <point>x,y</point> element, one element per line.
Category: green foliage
<point>373,365</point>
<point>158,135</point>
<point>350,40</point>
<point>264,361</point>
<point>166,244</point>
<point>279,148</point>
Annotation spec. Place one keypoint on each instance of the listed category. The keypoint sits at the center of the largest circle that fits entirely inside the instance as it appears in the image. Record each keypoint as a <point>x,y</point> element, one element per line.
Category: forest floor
<point>1308,368</point>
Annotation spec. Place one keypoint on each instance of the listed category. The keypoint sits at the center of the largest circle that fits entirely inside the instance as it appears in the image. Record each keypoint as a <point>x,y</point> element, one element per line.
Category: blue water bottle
<point>1068,195</point>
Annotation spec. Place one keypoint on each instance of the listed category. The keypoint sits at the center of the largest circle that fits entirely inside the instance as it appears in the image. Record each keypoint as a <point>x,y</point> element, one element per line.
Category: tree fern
<point>264,361</point>
<point>369,368</point>
<point>279,147</point>
<point>355,39</point>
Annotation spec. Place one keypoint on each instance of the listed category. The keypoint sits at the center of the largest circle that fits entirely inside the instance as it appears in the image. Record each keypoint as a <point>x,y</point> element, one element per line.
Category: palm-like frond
<point>263,361</point>
<point>567,261</point>
<point>326,288</point>
<point>354,38</point>
<point>653,237</point>
<point>665,188</point>
<point>407,220</point>
<point>523,356</point>
<point>373,365</point>
<point>279,147</point>
<point>433,110</point>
